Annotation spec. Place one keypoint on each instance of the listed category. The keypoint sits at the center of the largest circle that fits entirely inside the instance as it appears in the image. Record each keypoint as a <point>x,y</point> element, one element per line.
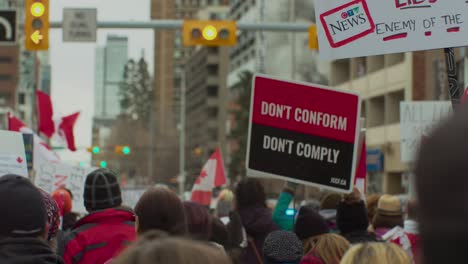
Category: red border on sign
<point>352,38</point>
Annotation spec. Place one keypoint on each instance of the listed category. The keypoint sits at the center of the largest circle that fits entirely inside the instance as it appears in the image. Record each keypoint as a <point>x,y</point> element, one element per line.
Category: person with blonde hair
<point>326,248</point>
<point>370,253</point>
<point>159,248</point>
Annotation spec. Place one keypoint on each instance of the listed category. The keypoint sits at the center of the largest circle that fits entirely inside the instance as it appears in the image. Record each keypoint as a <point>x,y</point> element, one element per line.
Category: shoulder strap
<point>255,249</point>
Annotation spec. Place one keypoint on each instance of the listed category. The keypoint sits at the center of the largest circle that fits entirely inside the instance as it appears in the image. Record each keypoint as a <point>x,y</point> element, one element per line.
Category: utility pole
<point>182,176</point>
<point>292,18</point>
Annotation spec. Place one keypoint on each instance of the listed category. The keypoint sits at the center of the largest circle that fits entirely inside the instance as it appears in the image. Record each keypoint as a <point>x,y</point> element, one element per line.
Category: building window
<point>22,99</point>
<point>212,91</point>
<point>4,77</point>
<point>22,115</point>
<point>7,60</point>
<point>376,111</point>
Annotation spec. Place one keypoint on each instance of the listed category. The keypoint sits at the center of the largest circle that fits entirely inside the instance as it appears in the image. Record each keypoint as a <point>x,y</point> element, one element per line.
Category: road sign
<point>304,133</point>
<point>79,24</point>
<point>8,27</point>
<point>358,28</point>
<point>418,119</point>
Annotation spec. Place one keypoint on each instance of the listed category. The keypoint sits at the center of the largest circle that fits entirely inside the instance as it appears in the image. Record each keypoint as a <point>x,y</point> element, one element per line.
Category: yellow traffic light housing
<point>36,25</point>
<point>209,33</point>
<point>313,40</point>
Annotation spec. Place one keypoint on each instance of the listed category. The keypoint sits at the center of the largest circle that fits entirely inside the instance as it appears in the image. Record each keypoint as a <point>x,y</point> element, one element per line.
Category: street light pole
<point>182,176</point>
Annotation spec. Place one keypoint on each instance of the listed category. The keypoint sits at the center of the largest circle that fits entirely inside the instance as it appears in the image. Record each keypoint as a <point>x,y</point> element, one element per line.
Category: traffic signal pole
<point>177,25</point>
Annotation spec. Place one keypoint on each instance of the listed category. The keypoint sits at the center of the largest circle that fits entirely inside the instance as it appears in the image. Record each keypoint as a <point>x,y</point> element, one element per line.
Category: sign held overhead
<point>79,24</point>
<point>303,133</point>
<point>371,27</point>
<point>418,119</point>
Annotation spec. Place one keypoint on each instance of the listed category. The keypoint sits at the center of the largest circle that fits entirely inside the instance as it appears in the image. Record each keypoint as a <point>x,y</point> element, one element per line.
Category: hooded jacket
<point>258,223</point>
<point>99,237</point>
<point>27,251</point>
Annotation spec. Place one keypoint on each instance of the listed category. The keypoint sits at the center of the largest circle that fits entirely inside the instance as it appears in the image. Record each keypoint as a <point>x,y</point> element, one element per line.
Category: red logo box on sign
<point>363,22</point>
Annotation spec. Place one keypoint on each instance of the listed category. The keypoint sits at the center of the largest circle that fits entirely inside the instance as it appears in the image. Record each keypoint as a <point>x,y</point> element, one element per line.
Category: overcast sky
<point>73,63</point>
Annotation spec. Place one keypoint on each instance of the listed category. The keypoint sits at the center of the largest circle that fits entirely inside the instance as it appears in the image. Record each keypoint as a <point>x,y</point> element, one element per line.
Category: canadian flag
<point>61,129</point>
<point>42,151</point>
<point>211,176</point>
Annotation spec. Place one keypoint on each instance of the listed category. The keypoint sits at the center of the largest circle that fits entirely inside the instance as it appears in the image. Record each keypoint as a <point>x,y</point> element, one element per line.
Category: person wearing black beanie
<point>107,229</point>
<point>309,223</point>
<point>442,191</point>
<point>23,224</point>
<point>352,219</point>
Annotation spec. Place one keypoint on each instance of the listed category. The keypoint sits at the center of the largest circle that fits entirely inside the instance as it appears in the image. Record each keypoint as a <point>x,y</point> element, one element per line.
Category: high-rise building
<point>170,60</point>
<point>110,62</point>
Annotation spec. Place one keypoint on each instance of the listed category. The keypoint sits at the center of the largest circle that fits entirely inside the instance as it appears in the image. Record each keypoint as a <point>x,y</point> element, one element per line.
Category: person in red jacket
<point>107,229</point>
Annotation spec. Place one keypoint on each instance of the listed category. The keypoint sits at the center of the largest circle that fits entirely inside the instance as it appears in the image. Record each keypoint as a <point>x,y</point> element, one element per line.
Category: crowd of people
<point>37,227</point>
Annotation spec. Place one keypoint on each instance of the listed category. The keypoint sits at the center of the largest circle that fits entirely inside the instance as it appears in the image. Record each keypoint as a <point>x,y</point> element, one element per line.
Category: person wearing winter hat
<point>256,217</point>
<point>63,198</point>
<point>352,219</point>
<point>53,219</point>
<point>108,227</point>
<point>309,223</point>
<point>309,226</point>
<point>282,247</point>
<point>23,224</point>
<point>389,215</point>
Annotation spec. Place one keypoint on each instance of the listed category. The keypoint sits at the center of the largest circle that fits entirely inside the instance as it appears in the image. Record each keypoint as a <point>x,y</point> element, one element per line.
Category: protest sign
<point>130,197</point>
<point>12,154</point>
<point>52,175</point>
<point>418,119</point>
<point>303,133</point>
<point>348,28</point>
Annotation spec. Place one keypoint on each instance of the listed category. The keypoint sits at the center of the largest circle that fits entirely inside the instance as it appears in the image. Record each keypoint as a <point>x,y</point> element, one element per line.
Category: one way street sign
<point>8,27</point>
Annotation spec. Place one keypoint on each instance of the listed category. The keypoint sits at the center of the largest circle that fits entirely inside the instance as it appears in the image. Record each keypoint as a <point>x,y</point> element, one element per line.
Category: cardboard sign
<point>358,28</point>
<point>12,154</point>
<point>418,119</point>
<point>303,133</point>
<point>52,175</point>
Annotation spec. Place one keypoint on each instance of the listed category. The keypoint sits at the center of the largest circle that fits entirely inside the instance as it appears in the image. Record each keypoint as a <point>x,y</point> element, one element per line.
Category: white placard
<point>130,197</point>
<point>79,24</point>
<point>52,175</point>
<point>12,154</point>
<point>418,119</point>
<point>358,28</point>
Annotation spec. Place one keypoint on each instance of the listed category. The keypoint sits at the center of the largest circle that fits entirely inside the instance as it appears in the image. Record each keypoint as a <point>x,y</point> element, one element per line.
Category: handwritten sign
<point>12,154</point>
<point>358,28</point>
<point>418,119</point>
<point>52,175</point>
<point>304,133</point>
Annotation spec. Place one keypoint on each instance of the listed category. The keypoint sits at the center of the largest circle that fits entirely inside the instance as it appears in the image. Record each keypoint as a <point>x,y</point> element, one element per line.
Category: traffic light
<point>103,164</point>
<point>36,25</point>
<point>124,150</point>
<point>94,149</point>
<point>209,33</point>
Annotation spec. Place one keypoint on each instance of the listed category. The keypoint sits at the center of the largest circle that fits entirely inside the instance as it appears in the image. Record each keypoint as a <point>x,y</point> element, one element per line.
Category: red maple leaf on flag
<point>203,175</point>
